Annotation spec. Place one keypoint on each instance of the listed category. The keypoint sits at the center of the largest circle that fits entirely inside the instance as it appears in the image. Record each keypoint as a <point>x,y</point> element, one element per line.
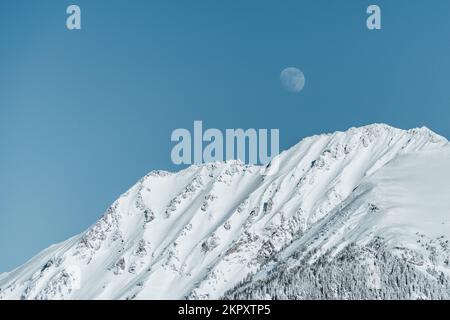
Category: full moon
<point>292,79</point>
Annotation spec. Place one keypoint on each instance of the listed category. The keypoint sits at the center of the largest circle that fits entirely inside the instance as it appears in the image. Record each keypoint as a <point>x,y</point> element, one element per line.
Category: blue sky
<point>85,114</point>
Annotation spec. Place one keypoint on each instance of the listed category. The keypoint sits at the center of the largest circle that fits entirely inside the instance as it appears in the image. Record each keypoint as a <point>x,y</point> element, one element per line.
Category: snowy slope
<point>220,227</point>
<point>397,224</point>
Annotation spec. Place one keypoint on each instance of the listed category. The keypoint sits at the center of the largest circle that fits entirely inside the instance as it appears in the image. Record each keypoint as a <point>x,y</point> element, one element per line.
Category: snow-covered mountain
<point>358,214</point>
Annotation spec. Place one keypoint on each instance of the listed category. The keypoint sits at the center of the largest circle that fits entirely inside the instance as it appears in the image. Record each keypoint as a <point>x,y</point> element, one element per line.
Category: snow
<point>414,188</point>
<point>199,232</point>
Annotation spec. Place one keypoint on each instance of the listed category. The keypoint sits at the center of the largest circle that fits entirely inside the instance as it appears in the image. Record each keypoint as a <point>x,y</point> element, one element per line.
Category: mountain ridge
<point>199,232</point>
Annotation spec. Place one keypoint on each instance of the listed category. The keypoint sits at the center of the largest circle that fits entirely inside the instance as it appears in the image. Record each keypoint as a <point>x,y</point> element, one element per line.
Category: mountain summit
<point>360,214</point>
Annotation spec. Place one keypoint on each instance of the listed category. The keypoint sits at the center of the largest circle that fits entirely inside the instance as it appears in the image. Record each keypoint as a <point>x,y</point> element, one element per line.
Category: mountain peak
<point>200,232</point>
<point>383,128</point>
